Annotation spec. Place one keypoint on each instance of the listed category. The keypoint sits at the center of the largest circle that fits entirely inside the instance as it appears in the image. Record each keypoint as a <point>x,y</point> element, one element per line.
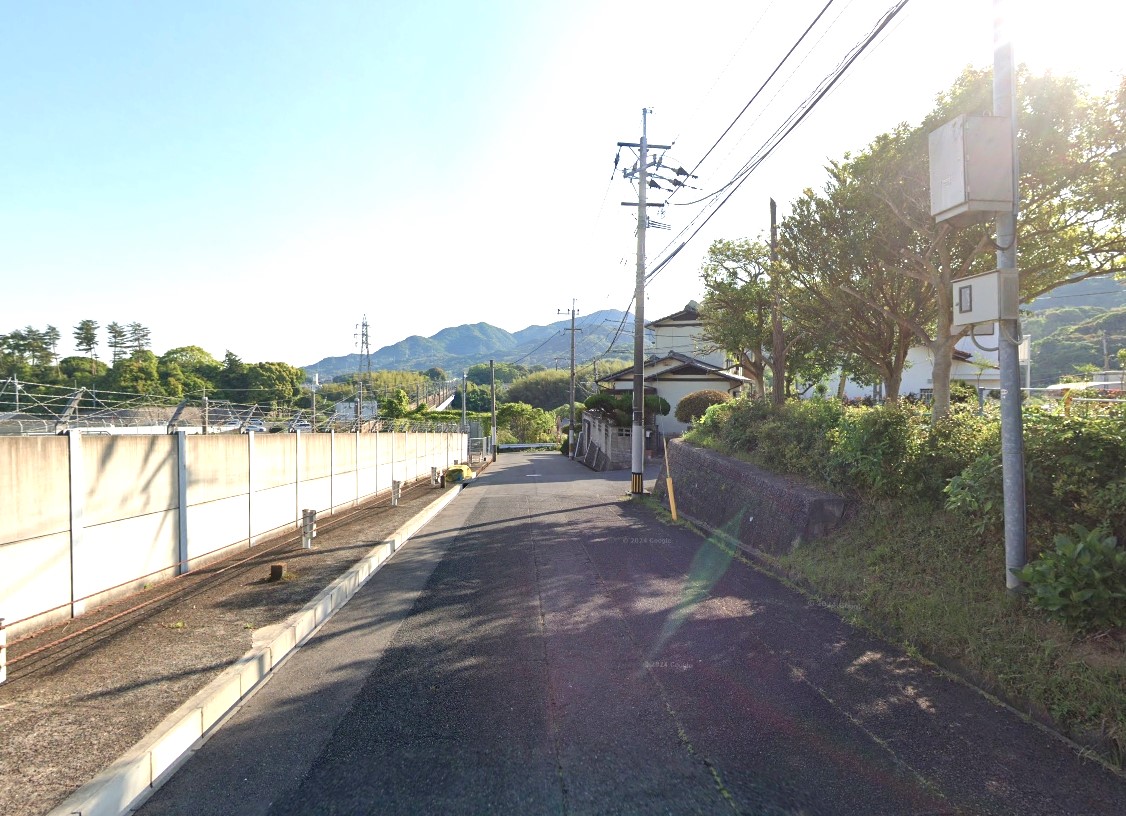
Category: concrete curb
<point>147,764</point>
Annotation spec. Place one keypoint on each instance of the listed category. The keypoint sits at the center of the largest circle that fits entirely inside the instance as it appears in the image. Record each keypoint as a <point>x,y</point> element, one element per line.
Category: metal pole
<point>464,395</point>
<point>1012,434</point>
<point>637,440</point>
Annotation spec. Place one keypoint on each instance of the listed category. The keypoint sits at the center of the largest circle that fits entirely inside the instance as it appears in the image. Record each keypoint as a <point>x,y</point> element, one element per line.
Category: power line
<point>766,82</point>
<point>784,130</point>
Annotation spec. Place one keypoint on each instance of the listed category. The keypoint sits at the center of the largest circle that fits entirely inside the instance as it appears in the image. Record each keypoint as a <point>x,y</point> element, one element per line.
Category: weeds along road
<point>547,646</point>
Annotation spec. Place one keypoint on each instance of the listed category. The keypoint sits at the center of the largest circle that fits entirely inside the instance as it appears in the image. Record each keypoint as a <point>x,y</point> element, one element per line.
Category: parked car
<point>255,425</point>
<point>300,425</point>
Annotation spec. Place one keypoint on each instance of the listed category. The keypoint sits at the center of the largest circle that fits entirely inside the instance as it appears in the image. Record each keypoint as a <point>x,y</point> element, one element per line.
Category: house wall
<point>686,338</point>
<point>920,363</point>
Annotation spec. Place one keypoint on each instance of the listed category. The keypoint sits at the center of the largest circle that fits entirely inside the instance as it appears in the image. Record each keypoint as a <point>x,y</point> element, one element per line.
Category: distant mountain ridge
<point>459,347</point>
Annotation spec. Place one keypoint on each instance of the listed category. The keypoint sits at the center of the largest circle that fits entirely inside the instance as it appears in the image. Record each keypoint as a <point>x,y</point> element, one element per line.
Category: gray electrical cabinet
<point>971,168</point>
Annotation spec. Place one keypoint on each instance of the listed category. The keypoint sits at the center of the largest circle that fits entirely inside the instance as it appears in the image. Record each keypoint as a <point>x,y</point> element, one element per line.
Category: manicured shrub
<point>693,405</point>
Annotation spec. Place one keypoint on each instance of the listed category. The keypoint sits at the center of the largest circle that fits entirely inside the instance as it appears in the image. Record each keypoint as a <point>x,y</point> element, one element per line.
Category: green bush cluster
<point>1082,581</point>
<point>1075,477</point>
<point>884,450</point>
<point>692,406</point>
<point>1075,473</point>
<point>620,406</point>
<point>1075,467</point>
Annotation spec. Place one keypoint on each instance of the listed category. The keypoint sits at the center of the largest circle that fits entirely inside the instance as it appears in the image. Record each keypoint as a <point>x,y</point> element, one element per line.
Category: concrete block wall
<point>84,518</point>
<point>760,509</point>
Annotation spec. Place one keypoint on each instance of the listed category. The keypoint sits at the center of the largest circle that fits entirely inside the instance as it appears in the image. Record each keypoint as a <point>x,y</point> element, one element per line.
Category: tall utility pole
<point>571,426</point>
<point>777,337</point>
<point>1008,355</point>
<point>637,459</point>
<point>464,395</point>
<point>493,390</point>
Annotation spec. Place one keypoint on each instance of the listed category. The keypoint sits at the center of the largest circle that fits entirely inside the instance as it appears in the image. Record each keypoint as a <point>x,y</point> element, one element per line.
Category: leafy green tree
<point>86,340</point>
<point>1073,203</point>
<point>525,423</point>
<point>139,337</point>
<point>396,405</point>
<point>135,374</point>
<point>232,378</point>
<point>273,384</point>
<point>436,374</point>
<point>544,389</point>
<point>117,340</point>
<point>83,371</point>
<point>52,336</point>
<point>736,307</point>
<point>505,373</point>
<point>193,360</point>
<point>860,306</point>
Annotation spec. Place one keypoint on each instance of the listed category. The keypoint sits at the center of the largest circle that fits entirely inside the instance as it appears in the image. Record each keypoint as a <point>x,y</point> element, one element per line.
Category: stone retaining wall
<point>762,510</point>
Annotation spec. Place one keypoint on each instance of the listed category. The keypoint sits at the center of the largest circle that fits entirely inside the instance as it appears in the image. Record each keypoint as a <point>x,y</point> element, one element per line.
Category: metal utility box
<point>971,168</point>
<point>986,298</point>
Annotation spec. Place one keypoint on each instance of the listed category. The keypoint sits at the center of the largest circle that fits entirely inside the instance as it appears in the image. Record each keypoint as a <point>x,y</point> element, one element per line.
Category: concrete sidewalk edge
<point>143,767</point>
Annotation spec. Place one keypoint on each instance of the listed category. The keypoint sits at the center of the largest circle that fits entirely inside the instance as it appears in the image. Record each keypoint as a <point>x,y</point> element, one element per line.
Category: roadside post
<point>308,528</point>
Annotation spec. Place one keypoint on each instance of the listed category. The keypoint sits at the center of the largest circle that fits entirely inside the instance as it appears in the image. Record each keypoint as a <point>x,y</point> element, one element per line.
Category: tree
<point>135,374</point>
<point>1073,202</point>
<point>232,378</point>
<point>848,295</point>
<point>504,372</point>
<point>478,398</point>
<point>525,423</point>
<point>117,340</point>
<point>138,337</point>
<point>396,405</point>
<point>436,374</point>
<point>273,384</point>
<point>51,337</point>
<point>544,389</point>
<point>736,307</point>
<point>86,341</point>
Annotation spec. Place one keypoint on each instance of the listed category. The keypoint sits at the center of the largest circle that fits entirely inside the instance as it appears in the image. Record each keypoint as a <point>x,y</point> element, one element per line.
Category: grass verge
<point>919,576</point>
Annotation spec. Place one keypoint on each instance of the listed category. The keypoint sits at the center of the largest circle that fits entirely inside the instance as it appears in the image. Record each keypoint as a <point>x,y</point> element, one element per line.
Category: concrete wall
<point>84,518</point>
<point>760,509</point>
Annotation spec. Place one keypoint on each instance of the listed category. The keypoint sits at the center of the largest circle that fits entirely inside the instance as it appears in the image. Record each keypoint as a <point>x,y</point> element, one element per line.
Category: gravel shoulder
<point>69,710</point>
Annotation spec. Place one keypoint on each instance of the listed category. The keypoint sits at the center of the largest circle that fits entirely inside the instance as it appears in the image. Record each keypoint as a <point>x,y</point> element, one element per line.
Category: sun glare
<point>1076,38</point>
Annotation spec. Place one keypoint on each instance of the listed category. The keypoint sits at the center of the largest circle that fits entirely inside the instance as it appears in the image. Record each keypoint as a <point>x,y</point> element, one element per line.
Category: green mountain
<point>456,348</point>
<point>1093,341</point>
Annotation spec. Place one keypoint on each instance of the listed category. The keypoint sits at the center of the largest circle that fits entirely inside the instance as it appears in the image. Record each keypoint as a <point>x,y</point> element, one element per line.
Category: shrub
<point>872,449</point>
<point>693,405</point>
<point>796,437</point>
<point>1082,582</point>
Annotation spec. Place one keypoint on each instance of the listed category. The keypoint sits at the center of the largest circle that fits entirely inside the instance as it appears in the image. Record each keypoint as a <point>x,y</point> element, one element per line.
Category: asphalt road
<point>544,646</point>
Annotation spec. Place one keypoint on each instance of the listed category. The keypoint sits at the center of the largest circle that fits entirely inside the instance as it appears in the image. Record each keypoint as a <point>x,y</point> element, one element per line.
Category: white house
<point>972,364</point>
<point>681,362</point>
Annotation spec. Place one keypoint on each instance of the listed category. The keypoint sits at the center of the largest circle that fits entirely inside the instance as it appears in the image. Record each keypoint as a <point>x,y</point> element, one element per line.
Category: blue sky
<point>258,176</point>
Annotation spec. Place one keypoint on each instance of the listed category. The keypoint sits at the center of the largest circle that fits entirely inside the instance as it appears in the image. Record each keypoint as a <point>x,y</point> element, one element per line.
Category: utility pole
<point>571,425</point>
<point>637,440</point>
<point>1008,355</point>
<point>493,390</point>
<point>464,394</point>
<point>778,339</point>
